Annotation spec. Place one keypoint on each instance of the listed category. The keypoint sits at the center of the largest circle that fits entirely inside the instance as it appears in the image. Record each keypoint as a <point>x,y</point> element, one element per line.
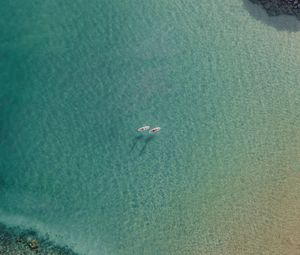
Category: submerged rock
<point>16,241</point>
<point>279,7</point>
<point>33,244</point>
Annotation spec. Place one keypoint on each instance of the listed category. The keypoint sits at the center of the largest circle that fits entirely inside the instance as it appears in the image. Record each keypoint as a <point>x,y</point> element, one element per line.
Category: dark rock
<point>280,7</point>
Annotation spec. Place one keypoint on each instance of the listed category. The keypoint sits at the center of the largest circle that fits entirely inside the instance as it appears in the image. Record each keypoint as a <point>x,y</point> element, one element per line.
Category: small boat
<point>144,128</point>
<point>154,130</point>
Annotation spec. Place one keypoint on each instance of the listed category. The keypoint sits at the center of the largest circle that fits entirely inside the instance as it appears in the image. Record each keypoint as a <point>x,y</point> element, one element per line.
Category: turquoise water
<point>78,78</point>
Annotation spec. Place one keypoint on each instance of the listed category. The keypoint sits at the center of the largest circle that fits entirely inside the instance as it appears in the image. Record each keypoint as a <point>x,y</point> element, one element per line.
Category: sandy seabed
<point>280,232</point>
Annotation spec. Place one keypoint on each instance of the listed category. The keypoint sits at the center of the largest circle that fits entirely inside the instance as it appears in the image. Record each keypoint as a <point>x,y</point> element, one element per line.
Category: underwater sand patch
<point>277,229</point>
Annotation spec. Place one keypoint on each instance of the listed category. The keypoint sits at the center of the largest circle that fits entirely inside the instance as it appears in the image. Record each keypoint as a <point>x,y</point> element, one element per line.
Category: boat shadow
<point>135,141</point>
<point>147,141</point>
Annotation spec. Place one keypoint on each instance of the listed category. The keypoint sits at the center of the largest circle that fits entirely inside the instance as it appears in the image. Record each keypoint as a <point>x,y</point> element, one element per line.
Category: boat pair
<point>145,128</point>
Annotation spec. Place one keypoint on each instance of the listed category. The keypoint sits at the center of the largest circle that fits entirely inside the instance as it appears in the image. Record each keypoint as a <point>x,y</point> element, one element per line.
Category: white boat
<point>154,130</point>
<point>144,128</point>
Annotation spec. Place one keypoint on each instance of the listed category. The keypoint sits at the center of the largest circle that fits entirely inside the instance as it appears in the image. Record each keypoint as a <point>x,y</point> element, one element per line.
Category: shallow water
<point>77,79</point>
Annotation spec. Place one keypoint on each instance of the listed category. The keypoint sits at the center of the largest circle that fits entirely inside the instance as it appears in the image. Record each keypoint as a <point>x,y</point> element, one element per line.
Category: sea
<point>221,79</point>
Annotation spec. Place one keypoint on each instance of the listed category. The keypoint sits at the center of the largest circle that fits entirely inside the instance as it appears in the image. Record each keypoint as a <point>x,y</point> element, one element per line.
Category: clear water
<point>78,78</point>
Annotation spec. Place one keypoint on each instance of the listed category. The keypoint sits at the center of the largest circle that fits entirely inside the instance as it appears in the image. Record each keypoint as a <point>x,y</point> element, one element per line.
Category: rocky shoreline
<point>14,241</point>
<point>279,7</point>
